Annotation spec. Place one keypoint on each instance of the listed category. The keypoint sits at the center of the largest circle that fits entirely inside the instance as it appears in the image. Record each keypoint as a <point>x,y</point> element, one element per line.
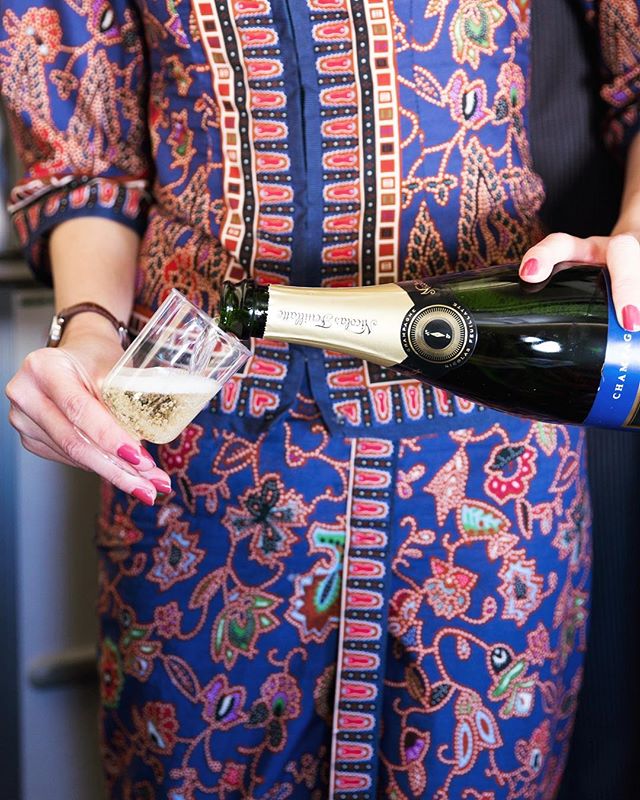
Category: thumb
<point>538,262</point>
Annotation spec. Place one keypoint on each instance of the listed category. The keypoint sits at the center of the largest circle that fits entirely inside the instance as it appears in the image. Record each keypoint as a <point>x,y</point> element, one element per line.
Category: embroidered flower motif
<point>511,682</point>
<point>476,730</point>
<point>448,486</point>
<point>176,557</point>
<point>473,29</point>
<point>510,469</point>
<point>232,775</point>
<point>533,752</point>
<point>468,100</point>
<point>315,606</point>
<point>180,139</point>
<point>521,588</point>
<point>571,613</point>
<point>41,28</point>
<point>511,97</point>
<point>413,749</point>
<point>110,674</point>
<point>157,726</point>
<point>222,705</point>
<point>403,608</point>
<point>280,701</point>
<point>449,591</point>
<point>177,72</point>
<point>137,651</point>
<point>175,457</point>
<point>167,620</point>
<point>572,531</point>
<point>267,515</point>
<point>102,21</point>
<point>237,627</point>
<point>179,273</point>
<point>538,645</point>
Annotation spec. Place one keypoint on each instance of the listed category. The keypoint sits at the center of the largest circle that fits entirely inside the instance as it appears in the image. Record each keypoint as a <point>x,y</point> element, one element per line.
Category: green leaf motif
<point>547,437</point>
<point>477,520</point>
<point>477,29</point>
<point>241,635</point>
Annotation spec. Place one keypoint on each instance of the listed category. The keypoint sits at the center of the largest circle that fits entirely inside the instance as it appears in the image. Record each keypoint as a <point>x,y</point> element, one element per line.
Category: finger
<point>154,474</point>
<point>30,432</point>
<point>623,263</point>
<point>538,262</point>
<point>81,408</point>
<point>39,448</point>
<point>79,450</point>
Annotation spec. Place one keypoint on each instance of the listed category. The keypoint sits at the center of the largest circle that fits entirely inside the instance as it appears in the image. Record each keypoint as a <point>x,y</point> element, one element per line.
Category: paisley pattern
<point>359,586</point>
<point>391,628</point>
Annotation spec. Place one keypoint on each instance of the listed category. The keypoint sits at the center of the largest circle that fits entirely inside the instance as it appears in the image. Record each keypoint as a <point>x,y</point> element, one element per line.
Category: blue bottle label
<point>617,403</point>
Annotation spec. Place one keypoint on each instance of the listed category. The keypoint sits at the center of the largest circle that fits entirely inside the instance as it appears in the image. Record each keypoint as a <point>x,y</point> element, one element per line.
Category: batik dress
<point>359,586</point>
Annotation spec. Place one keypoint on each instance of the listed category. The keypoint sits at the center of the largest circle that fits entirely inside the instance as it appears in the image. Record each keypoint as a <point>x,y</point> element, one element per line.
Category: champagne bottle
<point>553,352</point>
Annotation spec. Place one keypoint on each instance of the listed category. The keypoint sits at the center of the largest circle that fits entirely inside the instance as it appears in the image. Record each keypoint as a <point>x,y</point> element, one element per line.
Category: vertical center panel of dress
<point>363,624</point>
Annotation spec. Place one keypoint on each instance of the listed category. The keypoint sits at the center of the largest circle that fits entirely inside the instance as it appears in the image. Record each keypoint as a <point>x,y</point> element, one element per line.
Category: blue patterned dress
<point>359,586</point>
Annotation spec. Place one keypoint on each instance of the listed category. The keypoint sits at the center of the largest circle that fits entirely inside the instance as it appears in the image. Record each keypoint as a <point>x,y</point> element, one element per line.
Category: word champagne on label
<point>555,352</point>
<point>157,403</point>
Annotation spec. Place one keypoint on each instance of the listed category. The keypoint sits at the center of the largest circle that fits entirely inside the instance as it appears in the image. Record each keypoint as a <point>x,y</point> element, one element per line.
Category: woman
<point>336,582</point>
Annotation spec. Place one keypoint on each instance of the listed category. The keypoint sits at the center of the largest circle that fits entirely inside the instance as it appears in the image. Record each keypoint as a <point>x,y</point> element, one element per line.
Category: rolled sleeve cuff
<point>38,206</point>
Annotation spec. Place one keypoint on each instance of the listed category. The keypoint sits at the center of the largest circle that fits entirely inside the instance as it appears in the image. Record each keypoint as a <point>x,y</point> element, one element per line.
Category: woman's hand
<point>620,252</point>
<point>55,407</point>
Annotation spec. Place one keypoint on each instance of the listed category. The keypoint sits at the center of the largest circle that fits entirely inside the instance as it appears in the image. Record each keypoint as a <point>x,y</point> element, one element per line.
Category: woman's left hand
<point>620,252</point>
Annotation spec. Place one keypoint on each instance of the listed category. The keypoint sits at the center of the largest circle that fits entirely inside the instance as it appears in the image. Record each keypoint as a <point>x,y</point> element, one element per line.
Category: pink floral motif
<point>449,590</point>
<point>538,645</point>
<point>233,774</point>
<point>158,726</point>
<point>168,620</point>
<point>510,469</point>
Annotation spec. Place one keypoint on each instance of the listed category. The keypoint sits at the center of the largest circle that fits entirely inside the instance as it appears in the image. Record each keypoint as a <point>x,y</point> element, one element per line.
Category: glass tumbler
<point>176,364</point>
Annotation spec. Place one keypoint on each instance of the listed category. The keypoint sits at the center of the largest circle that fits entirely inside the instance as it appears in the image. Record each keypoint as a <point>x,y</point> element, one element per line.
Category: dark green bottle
<point>554,353</point>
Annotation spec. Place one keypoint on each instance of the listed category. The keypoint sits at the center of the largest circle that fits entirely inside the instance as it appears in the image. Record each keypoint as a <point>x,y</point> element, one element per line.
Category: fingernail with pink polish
<point>529,268</point>
<point>631,318</point>
<point>130,454</point>
<point>147,459</point>
<point>146,453</point>
<point>144,496</point>
<point>162,486</point>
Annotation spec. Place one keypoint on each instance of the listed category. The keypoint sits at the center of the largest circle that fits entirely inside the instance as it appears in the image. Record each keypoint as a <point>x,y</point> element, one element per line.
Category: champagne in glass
<point>176,364</point>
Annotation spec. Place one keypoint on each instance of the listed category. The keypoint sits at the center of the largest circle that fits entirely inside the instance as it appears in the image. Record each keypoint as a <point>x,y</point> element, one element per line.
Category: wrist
<point>64,317</point>
<point>89,325</point>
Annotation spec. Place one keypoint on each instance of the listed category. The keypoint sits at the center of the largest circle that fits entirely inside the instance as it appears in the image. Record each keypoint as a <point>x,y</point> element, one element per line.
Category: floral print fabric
<point>359,586</point>
<point>427,596</point>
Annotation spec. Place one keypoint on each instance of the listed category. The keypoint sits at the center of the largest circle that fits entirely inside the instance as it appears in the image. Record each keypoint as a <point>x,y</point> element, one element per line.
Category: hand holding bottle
<point>620,253</point>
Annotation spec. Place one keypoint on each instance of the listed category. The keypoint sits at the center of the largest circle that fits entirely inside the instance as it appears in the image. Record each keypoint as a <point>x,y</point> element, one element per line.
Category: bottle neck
<point>243,308</point>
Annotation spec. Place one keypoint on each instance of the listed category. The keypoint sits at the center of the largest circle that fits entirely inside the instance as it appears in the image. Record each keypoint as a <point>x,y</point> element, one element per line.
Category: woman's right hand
<point>56,409</point>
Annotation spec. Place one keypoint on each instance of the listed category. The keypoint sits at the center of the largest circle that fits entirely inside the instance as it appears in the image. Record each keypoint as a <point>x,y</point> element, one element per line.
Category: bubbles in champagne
<point>156,404</point>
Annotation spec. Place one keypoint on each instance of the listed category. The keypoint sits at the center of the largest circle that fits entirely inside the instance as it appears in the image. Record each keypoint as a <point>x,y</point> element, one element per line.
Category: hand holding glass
<point>176,364</point>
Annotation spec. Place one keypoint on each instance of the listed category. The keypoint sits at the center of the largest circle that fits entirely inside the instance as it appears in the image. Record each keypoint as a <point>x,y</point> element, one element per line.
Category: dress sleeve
<point>73,83</point>
<point>618,27</point>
